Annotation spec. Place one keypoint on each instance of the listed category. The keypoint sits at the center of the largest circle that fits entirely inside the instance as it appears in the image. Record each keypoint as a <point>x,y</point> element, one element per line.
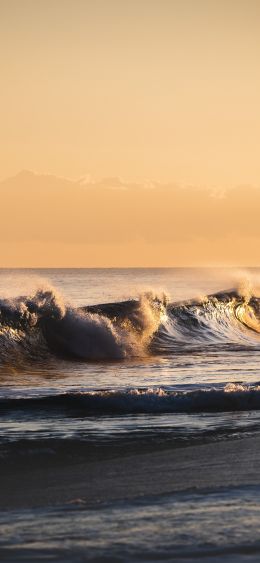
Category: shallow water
<point>194,378</point>
<point>222,526</point>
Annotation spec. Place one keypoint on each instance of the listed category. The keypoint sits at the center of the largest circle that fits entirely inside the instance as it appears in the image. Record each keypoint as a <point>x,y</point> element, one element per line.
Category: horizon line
<point>203,267</point>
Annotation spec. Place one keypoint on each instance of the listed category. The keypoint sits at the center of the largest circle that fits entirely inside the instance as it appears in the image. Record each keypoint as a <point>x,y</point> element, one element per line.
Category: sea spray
<point>77,333</point>
<point>42,324</point>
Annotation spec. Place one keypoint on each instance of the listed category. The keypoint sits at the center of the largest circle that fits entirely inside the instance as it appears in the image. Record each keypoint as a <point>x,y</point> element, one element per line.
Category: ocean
<point>130,414</point>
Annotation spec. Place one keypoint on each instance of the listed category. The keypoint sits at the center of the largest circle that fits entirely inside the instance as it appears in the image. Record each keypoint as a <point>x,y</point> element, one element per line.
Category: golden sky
<point>164,94</point>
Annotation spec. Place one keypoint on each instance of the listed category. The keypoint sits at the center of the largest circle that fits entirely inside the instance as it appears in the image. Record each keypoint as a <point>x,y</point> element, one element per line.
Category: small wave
<point>233,397</point>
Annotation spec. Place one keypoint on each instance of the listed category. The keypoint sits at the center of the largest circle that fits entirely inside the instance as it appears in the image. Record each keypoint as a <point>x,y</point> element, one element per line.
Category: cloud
<point>47,208</point>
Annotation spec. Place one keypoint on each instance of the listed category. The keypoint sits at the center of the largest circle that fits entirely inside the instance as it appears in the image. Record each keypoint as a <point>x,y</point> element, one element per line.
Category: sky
<point>149,93</point>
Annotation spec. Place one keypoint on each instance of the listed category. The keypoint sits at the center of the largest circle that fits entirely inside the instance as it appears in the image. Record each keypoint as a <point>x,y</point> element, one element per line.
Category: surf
<point>42,324</point>
<point>231,397</point>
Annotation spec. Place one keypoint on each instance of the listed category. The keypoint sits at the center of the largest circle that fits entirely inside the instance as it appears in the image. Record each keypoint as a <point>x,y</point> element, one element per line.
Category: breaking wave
<point>233,397</point>
<point>225,318</point>
<point>40,325</point>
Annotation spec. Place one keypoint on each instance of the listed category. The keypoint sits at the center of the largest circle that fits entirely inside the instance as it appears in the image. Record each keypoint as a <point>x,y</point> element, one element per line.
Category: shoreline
<point>94,481</point>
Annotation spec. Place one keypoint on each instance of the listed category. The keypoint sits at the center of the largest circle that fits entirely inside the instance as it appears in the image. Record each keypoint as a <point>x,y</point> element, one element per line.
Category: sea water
<point>179,366</point>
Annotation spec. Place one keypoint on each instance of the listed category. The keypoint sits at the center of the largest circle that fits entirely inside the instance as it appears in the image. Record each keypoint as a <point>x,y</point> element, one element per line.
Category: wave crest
<point>44,320</point>
<point>42,323</point>
<point>233,397</point>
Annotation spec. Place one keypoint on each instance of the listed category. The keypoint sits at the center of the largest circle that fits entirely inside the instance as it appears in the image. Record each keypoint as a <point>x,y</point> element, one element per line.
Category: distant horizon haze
<point>50,221</point>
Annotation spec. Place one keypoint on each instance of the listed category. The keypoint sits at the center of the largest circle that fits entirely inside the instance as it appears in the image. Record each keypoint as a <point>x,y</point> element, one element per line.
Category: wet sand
<point>92,481</point>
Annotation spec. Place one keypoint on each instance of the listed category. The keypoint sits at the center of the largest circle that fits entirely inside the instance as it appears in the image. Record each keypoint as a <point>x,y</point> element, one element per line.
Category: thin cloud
<point>47,208</point>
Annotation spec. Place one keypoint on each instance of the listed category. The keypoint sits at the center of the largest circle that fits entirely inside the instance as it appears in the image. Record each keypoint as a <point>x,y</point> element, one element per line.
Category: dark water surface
<point>178,365</point>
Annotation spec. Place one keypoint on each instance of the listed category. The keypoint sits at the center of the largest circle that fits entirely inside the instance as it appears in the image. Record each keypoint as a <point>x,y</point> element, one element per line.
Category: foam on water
<point>233,397</point>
